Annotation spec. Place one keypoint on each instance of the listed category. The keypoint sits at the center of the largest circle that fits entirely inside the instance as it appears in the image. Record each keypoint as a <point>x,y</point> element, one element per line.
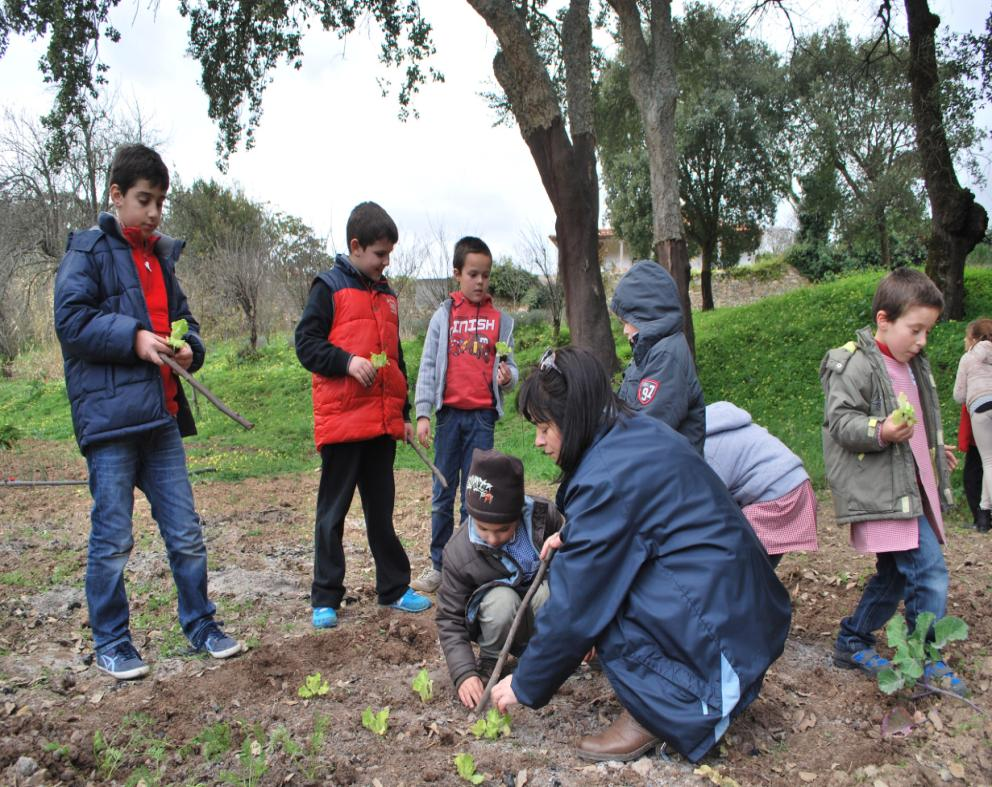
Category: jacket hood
<point>648,298</point>
<point>725,417</point>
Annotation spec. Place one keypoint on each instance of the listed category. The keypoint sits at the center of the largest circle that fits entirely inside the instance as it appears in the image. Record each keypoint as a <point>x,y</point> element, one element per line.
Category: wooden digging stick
<point>429,463</point>
<point>211,396</point>
<point>521,611</point>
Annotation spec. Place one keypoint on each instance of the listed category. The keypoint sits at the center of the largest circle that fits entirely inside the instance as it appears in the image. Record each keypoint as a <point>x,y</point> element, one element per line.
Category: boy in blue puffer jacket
<point>661,377</point>
<point>116,296</point>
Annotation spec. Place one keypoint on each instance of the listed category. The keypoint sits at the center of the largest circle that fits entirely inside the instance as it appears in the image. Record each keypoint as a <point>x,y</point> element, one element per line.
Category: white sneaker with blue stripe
<point>122,661</point>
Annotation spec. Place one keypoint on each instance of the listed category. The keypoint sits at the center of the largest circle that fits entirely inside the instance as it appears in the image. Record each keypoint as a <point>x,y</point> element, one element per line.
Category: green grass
<point>763,357</point>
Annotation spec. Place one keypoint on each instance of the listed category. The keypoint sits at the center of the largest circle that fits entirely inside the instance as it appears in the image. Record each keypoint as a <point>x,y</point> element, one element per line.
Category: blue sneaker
<point>940,675</point>
<point>217,643</point>
<point>324,617</point>
<point>411,601</point>
<point>867,660</point>
<point>122,662</point>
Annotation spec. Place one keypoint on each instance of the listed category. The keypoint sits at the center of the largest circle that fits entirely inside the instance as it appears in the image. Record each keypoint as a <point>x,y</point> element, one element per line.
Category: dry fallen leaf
<point>935,720</point>
<point>806,776</point>
<point>521,777</point>
<point>956,769</point>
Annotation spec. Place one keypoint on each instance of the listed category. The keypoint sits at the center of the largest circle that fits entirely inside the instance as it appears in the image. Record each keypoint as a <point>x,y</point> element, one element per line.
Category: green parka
<point>868,480</point>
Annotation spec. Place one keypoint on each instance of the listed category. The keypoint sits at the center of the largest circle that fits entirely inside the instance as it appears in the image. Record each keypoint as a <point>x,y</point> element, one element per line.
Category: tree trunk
<point>706,276</point>
<point>884,244</point>
<point>653,85</point>
<point>567,166</point>
<point>957,223</point>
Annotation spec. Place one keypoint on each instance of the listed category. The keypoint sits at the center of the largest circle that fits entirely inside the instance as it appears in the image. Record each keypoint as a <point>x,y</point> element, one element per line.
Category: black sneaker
<point>122,661</point>
<point>867,660</point>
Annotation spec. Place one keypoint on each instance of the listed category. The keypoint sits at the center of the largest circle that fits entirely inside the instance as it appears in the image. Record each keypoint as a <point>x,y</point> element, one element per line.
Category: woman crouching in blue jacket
<point>656,568</point>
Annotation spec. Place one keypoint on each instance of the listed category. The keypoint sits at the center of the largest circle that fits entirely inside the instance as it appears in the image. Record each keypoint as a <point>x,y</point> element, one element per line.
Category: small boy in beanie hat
<point>487,568</point>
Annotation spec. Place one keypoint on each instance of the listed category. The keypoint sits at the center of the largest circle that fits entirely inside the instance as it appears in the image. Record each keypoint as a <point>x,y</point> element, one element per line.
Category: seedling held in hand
<point>502,350</point>
<point>904,413</point>
<point>465,763</point>
<point>492,726</point>
<point>423,685</point>
<point>379,360</point>
<point>313,686</point>
<point>912,650</point>
<point>179,329</point>
<point>377,722</point>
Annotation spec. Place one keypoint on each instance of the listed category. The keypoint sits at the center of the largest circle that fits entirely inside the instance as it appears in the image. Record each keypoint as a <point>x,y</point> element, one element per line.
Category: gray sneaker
<point>122,662</point>
<point>428,582</point>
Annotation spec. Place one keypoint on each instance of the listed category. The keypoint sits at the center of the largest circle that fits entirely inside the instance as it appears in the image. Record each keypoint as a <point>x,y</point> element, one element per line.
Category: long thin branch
<point>211,397</point>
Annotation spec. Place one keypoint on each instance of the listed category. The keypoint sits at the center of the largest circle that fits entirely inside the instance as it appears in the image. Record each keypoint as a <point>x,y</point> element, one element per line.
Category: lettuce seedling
<point>465,763</point>
<point>377,722</point>
<point>423,685</point>
<point>379,360</point>
<point>492,726</point>
<point>313,686</point>
<point>904,413</point>
<point>179,329</point>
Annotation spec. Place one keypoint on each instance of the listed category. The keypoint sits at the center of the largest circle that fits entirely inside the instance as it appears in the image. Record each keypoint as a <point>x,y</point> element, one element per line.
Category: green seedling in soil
<point>314,746</point>
<point>379,360</point>
<point>912,651</point>
<point>57,750</point>
<point>313,686</point>
<point>465,763</point>
<point>252,761</point>
<point>377,722</point>
<point>214,741</point>
<point>423,685</point>
<point>502,350</point>
<point>492,726</point>
<point>179,329</point>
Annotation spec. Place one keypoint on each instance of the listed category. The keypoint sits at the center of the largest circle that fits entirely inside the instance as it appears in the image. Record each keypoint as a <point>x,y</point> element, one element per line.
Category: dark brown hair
<point>980,330</point>
<point>469,245</point>
<point>368,223</point>
<point>133,162</point>
<point>903,289</point>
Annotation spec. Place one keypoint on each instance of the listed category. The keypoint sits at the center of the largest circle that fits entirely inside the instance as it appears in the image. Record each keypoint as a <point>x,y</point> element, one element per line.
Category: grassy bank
<point>764,357</point>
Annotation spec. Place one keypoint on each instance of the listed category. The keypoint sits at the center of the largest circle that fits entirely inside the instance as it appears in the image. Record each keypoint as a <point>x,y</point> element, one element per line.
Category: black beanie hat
<point>494,491</point>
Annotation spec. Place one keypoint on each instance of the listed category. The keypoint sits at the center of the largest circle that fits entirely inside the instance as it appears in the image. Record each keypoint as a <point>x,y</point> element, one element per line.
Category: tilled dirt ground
<point>194,720</point>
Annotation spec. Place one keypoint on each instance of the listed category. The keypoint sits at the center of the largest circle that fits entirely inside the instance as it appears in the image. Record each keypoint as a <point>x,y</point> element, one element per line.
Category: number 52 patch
<point>646,390</point>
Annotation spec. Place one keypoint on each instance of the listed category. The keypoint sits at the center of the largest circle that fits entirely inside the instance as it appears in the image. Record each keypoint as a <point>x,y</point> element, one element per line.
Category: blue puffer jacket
<point>661,376</point>
<point>661,572</point>
<point>99,306</point>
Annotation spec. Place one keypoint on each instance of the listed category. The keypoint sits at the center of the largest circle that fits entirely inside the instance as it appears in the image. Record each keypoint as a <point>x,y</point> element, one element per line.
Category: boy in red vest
<point>349,338</point>
<point>116,295</point>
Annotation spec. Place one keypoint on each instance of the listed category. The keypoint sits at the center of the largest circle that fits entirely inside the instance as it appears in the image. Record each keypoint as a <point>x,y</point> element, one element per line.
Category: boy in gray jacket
<point>489,564</point>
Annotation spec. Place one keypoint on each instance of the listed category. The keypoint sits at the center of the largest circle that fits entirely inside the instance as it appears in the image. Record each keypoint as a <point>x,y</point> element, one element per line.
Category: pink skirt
<point>787,524</point>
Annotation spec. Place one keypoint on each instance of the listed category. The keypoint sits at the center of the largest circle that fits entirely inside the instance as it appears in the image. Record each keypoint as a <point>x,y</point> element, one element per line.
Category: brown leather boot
<point>624,740</point>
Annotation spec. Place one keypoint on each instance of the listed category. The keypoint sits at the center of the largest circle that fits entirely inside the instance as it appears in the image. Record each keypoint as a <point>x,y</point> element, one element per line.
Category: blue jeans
<point>458,433</point>
<point>917,576</point>
<point>155,462</point>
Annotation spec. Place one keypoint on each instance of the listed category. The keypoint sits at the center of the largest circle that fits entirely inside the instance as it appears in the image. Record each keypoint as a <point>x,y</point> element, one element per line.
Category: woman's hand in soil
<point>470,691</point>
<point>424,431</point>
<point>503,696</point>
<point>551,542</point>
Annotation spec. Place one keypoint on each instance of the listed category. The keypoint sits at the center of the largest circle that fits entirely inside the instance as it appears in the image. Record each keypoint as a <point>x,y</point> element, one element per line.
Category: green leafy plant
<point>423,685</point>
<point>179,330</point>
<point>912,651</point>
<point>378,722</point>
<point>313,686</point>
<point>9,434</point>
<point>252,759</point>
<point>465,763</point>
<point>904,413</point>
<point>314,745</point>
<point>502,349</point>
<point>108,758</point>
<point>379,360</point>
<point>492,726</point>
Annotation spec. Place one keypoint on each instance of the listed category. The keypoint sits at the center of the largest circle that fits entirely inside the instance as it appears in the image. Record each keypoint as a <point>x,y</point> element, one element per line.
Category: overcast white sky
<point>328,140</point>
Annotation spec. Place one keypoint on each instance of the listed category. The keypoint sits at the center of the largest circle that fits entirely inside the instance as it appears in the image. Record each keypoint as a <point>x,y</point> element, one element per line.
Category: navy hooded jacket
<point>99,307</point>
<point>661,378</point>
<point>660,572</point>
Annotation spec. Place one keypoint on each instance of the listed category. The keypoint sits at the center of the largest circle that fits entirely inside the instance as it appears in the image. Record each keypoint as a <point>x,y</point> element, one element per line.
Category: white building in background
<point>614,254</point>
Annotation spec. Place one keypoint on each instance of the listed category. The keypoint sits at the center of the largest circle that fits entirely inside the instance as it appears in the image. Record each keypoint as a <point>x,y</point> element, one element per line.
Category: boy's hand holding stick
<point>437,473</point>
<point>171,362</point>
<point>548,552</point>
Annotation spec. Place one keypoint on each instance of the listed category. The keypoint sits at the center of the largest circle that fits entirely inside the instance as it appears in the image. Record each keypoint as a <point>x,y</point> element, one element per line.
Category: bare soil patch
<point>813,724</point>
